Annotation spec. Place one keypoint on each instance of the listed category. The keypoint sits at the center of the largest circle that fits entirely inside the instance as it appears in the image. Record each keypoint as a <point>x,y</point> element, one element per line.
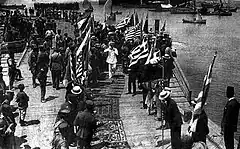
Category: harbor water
<point>195,46</point>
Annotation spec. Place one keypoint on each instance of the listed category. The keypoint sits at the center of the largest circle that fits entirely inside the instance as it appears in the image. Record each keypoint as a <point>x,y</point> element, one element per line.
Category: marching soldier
<point>86,124</point>
<point>42,69</point>
<point>56,65</point>
<point>32,63</point>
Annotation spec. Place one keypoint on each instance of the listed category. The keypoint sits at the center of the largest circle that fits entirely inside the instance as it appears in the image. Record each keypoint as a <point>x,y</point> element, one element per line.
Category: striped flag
<point>207,81</point>
<point>123,23</point>
<point>81,55</point>
<point>138,53</point>
<point>83,23</point>
<point>130,33</point>
<point>72,70</point>
<point>138,27</point>
<point>202,96</point>
<point>134,32</point>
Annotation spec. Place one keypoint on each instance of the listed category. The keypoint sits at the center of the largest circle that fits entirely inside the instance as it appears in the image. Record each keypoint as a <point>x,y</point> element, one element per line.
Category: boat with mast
<point>189,7</point>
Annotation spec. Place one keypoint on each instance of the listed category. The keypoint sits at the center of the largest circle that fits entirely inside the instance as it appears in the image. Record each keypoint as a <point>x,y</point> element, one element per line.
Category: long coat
<point>230,115</point>
<point>87,124</point>
<point>173,115</point>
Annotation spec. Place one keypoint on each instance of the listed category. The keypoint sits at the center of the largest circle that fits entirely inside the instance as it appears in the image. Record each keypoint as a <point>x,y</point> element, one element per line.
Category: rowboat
<point>195,21</point>
<point>220,13</point>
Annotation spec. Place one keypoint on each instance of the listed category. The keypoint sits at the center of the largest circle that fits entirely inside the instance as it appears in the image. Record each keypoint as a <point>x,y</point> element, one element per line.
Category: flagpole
<point>209,73</point>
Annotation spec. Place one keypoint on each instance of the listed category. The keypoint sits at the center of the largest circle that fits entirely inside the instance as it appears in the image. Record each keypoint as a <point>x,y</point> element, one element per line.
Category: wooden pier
<point>140,128</point>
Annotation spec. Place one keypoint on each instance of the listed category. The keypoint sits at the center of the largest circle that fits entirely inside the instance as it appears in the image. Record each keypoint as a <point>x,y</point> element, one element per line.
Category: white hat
<point>164,94</point>
<point>76,90</point>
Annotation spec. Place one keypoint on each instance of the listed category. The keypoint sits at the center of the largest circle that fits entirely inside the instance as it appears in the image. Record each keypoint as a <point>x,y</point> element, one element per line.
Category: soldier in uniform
<point>32,63</point>
<point>85,124</point>
<point>42,69</point>
<point>7,134</point>
<point>58,39</point>
<point>56,65</point>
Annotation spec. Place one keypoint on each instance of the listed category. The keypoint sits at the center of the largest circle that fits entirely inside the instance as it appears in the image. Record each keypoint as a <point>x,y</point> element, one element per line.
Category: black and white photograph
<point>119,74</point>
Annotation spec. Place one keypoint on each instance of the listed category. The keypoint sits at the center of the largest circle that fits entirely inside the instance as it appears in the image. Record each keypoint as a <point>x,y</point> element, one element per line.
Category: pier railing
<point>178,73</point>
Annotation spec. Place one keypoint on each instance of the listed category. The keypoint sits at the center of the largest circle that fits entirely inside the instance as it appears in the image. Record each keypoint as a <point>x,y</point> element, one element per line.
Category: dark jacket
<point>42,64</point>
<point>22,100</point>
<point>173,115</point>
<point>56,61</point>
<point>230,115</point>
<point>32,60</point>
<point>87,124</point>
<point>202,129</point>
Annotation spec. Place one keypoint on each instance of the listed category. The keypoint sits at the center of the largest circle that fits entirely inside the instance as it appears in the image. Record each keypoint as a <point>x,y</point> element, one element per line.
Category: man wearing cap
<point>111,59</point>
<point>68,114</point>
<point>173,117</point>
<point>32,63</point>
<point>56,65</point>
<point>85,124</point>
<point>42,69</point>
<point>7,115</point>
<point>230,118</point>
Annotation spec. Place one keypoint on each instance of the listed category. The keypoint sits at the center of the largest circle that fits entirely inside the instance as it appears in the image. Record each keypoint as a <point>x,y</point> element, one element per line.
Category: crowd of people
<point>75,123</point>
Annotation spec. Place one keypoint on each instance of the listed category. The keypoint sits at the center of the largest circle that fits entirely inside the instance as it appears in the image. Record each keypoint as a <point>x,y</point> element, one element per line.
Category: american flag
<point>134,32</point>
<point>81,55</point>
<point>72,72</point>
<point>123,23</point>
<point>138,53</point>
<point>207,81</point>
<point>83,23</point>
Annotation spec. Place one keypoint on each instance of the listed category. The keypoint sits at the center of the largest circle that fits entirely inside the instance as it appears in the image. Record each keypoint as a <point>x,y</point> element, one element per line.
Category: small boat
<point>179,10</point>
<point>231,9</point>
<point>195,21</point>
<point>220,13</point>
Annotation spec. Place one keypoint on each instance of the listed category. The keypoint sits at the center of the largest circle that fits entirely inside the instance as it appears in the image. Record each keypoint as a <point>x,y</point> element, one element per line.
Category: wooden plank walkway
<point>140,128</point>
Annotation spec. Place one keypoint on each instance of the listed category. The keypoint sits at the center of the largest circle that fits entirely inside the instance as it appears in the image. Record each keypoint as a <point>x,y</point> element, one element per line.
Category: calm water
<point>195,46</point>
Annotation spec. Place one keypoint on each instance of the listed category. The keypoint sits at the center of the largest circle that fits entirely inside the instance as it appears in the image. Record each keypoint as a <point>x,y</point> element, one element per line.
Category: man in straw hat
<point>173,117</point>
<point>230,118</point>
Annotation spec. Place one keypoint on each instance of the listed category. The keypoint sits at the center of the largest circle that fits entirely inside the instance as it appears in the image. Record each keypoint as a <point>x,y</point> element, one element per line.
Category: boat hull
<point>194,21</point>
<point>182,11</point>
<point>217,13</point>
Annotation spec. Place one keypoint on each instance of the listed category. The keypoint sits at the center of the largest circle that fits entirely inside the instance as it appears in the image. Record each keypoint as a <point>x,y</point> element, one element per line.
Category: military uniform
<point>42,69</point>
<point>22,100</point>
<point>86,125</point>
<point>32,63</point>
<point>56,65</point>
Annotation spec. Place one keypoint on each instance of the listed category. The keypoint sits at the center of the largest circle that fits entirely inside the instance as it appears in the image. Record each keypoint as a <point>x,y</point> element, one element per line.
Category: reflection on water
<point>196,45</point>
